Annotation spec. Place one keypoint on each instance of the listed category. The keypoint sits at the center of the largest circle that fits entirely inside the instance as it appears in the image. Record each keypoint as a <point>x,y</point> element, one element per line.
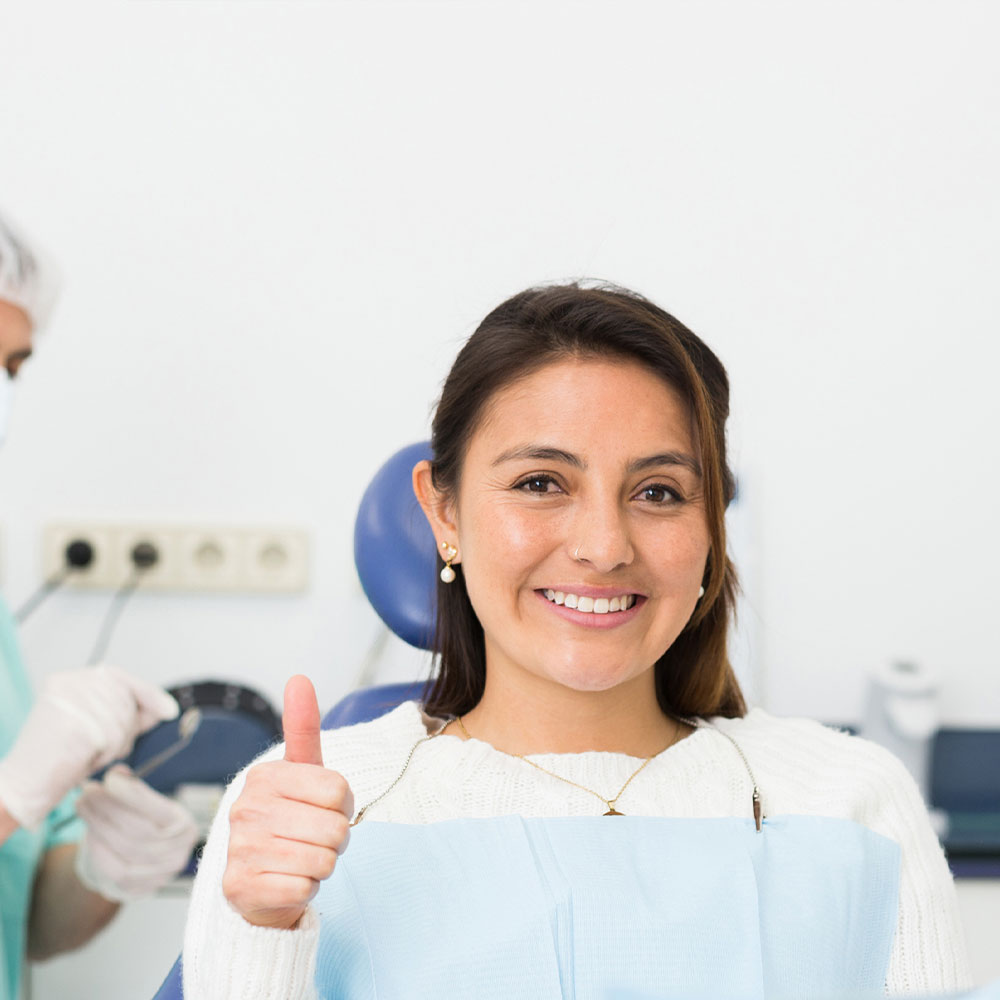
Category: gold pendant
<point>613,812</point>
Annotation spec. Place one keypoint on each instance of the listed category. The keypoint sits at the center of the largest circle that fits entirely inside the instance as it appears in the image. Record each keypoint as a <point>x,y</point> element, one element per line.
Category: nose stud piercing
<point>447,573</point>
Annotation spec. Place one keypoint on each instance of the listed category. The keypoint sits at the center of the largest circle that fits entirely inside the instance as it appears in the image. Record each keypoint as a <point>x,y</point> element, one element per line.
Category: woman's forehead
<point>596,403</point>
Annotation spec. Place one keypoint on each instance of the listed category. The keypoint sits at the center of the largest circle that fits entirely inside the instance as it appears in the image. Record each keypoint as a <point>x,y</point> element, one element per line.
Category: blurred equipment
<point>903,714</point>
<point>965,786</point>
<point>221,728</point>
<point>187,726</point>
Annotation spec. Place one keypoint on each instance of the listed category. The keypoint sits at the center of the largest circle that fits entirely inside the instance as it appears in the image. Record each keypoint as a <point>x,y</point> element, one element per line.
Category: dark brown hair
<point>527,332</point>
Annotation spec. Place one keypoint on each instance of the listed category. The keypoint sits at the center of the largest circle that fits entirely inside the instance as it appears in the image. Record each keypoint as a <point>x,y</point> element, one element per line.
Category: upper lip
<point>596,592</point>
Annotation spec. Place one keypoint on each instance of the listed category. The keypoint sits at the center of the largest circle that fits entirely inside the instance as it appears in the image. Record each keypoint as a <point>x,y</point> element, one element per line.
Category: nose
<point>601,537</point>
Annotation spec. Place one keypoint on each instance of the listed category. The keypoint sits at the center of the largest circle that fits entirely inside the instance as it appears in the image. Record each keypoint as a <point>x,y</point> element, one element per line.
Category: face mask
<point>6,395</point>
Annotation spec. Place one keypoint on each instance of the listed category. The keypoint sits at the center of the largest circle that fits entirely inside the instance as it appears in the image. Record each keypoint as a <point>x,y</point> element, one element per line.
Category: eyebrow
<point>542,453</point>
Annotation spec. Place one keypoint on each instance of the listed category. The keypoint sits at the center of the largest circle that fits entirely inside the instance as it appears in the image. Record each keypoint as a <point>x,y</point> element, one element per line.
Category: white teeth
<point>591,605</point>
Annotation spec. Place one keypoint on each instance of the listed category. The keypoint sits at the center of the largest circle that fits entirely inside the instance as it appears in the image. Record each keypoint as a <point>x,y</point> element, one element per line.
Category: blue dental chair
<point>395,555</point>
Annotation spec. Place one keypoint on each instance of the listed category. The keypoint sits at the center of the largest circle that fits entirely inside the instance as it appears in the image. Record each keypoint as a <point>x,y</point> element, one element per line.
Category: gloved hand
<point>82,720</point>
<point>136,839</point>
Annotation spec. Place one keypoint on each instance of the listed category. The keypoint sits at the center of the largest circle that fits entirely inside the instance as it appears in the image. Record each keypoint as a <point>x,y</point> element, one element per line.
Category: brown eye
<point>659,494</point>
<point>537,484</point>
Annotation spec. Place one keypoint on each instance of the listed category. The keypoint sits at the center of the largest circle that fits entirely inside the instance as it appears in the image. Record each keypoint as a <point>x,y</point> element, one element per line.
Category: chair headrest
<point>370,703</point>
<point>395,551</point>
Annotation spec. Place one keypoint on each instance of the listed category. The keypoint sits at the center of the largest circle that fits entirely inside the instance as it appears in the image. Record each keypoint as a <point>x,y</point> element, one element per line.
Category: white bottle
<point>902,713</point>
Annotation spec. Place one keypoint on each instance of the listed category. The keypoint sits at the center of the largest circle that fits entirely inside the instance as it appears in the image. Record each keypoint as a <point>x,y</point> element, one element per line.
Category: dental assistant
<point>67,862</point>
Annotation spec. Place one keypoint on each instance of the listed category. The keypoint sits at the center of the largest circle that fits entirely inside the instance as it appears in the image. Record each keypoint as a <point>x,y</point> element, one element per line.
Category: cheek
<point>502,550</point>
<point>505,536</point>
<point>683,553</point>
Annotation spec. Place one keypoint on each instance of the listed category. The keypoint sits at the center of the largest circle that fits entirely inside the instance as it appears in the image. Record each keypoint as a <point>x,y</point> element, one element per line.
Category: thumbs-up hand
<point>289,824</point>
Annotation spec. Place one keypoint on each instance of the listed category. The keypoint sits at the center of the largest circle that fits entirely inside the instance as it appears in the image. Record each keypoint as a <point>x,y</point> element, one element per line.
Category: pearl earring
<point>447,573</point>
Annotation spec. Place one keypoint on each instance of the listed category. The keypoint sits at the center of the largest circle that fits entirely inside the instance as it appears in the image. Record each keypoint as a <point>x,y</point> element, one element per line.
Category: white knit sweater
<point>800,766</point>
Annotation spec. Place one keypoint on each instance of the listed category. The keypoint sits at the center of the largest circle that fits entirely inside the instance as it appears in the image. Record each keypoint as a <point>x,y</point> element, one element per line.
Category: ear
<point>438,508</point>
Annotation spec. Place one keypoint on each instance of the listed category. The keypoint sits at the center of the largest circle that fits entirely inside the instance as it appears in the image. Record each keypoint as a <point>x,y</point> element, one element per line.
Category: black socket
<point>144,555</point>
<point>79,554</point>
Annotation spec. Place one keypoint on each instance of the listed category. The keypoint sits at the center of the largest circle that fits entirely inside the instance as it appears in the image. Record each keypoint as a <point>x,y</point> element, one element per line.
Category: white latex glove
<point>82,720</point>
<point>136,839</point>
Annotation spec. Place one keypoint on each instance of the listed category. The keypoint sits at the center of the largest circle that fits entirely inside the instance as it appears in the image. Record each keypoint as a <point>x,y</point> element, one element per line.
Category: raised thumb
<point>300,722</point>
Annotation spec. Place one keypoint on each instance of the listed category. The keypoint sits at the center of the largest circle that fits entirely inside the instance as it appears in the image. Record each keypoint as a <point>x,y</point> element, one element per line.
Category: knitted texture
<point>801,768</point>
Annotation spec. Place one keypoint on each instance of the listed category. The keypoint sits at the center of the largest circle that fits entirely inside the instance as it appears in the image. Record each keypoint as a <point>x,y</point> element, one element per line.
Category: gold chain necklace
<point>610,803</point>
<point>758,812</point>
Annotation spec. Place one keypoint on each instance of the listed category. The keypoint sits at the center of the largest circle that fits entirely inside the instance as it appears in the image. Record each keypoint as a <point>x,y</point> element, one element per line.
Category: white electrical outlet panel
<point>188,556</point>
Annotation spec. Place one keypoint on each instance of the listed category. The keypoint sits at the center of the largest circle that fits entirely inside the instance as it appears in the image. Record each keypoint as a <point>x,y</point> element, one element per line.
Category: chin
<point>591,677</point>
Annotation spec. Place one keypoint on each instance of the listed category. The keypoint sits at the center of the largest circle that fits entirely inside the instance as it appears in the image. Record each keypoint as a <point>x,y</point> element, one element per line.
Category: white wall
<point>277,222</point>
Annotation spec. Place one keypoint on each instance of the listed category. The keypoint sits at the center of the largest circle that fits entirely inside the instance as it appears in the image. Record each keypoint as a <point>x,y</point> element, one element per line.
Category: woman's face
<point>580,524</point>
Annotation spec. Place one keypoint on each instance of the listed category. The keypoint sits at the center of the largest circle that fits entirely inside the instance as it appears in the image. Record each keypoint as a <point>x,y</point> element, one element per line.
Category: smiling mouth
<point>591,605</point>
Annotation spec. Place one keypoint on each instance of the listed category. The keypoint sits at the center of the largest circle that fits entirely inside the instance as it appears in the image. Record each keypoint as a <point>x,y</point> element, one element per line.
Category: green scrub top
<point>20,853</point>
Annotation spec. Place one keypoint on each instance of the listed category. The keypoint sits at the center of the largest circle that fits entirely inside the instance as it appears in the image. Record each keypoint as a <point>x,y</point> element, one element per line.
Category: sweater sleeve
<point>928,953</point>
<point>227,958</point>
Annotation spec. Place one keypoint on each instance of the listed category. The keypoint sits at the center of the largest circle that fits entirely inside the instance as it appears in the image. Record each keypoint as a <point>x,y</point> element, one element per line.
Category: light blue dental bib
<point>593,907</point>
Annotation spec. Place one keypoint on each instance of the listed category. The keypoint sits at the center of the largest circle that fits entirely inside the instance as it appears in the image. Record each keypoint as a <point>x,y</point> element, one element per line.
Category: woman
<point>577,494</point>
